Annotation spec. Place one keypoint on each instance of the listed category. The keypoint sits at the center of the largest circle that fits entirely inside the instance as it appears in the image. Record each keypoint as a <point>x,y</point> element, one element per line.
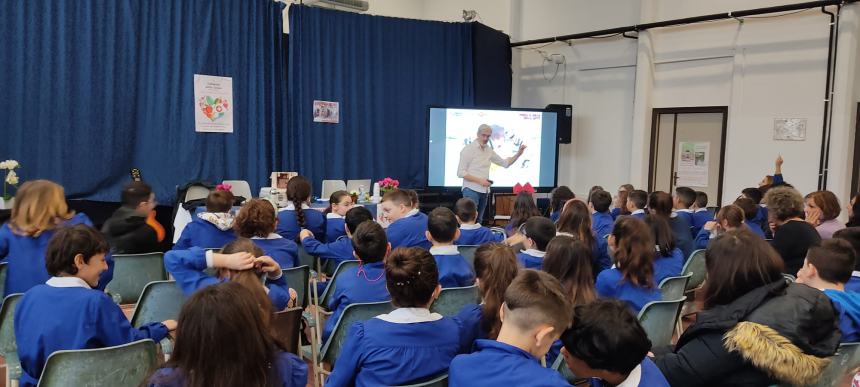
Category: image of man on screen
<point>474,167</point>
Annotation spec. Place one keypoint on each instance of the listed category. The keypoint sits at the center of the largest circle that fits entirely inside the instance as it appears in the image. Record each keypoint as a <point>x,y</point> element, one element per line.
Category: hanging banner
<point>693,163</point>
<point>326,111</point>
<point>213,98</point>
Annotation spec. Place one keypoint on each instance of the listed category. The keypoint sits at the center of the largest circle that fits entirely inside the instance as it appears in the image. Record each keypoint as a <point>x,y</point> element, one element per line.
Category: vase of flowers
<point>388,184</point>
<point>10,181</point>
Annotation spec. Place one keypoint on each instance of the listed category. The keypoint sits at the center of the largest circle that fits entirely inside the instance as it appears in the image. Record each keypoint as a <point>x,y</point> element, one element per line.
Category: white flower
<point>12,178</point>
<point>9,164</point>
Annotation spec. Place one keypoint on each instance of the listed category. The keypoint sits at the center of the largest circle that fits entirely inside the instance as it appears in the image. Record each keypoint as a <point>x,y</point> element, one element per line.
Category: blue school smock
<point>337,251</point>
<point>187,267</point>
<point>553,216</point>
<point>755,229</point>
<point>65,314</point>
<point>406,345</point>
<point>408,231</point>
<point>365,283</point>
<point>284,251</point>
<point>454,271</point>
<point>600,256</point>
<point>638,215</point>
<point>476,236</point>
<point>681,232</point>
<point>334,227</point>
<point>499,364</point>
<point>650,376</point>
<point>292,371</point>
<point>288,223</point>
<point>531,258</point>
<point>670,266</point>
<point>847,304</point>
<point>700,217</point>
<point>687,215</point>
<point>760,219</point>
<point>611,285</point>
<point>203,233</point>
<point>602,223</point>
<point>25,257</point>
<point>853,284</point>
<point>614,213</point>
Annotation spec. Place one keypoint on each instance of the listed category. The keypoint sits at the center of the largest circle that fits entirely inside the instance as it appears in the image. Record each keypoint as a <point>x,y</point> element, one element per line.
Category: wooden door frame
<point>655,115</point>
<point>855,181</point>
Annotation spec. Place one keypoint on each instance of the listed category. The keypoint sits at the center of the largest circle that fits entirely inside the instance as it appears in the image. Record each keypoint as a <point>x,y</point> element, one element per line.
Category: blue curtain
<point>384,72</point>
<point>92,88</point>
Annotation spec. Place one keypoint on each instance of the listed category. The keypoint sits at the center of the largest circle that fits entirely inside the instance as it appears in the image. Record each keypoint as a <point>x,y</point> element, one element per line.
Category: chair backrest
<point>196,192</point>
<point>468,252</point>
<point>353,185</point>
<point>122,365</point>
<point>658,318</point>
<point>351,314</point>
<point>499,232</point>
<point>306,259</point>
<point>240,188</point>
<point>4,267</point>
<point>7,323</point>
<point>673,287</point>
<point>437,381</point>
<point>695,265</point>
<point>332,282</point>
<point>451,300</point>
<point>132,272</point>
<point>789,277</point>
<point>159,301</point>
<point>286,325</point>
<point>561,366</point>
<point>846,360</point>
<point>298,278</point>
<point>329,186</point>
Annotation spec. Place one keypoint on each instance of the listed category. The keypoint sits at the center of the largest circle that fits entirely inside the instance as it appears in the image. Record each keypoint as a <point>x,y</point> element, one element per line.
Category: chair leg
<point>315,334</point>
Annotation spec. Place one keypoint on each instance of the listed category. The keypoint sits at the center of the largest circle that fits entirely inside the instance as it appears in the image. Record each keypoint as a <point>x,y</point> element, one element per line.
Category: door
<point>687,149</point>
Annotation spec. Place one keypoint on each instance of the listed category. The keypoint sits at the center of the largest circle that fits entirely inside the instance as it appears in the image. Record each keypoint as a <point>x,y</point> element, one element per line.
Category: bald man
<point>474,167</point>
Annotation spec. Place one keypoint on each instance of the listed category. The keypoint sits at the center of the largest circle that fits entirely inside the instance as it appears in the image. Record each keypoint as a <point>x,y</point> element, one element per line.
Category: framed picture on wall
<point>789,129</point>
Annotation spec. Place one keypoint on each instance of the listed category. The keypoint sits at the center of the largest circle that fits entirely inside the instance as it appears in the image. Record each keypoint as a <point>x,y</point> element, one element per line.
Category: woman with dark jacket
<point>756,329</point>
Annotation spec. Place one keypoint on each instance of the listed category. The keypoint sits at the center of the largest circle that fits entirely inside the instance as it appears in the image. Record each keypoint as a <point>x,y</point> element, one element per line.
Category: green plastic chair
<point>846,360</point>
<point>126,365</point>
<point>659,318</point>
<point>438,381</point>
<point>695,265</point>
<point>332,283</point>
<point>468,252</point>
<point>673,287</point>
<point>132,272</point>
<point>351,314</point>
<point>560,366</point>
<point>7,337</point>
<point>298,278</point>
<point>3,268</point>
<point>159,301</point>
<point>306,259</point>
<point>452,300</point>
<point>286,326</point>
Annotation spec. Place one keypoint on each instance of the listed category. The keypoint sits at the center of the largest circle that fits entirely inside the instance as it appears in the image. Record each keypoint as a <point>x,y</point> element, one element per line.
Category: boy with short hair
<point>852,235</point>
<point>601,219</point>
<point>67,312</point>
<point>701,215</point>
<point>682,201</point>
<point>538,231</point>
<point>341,249</point>
<point>408,225</point>
<point>442,230</point>
<point>535,312</point>
<point>607,344</point>
<point>828,268</point>
<point>636,203</point>
<point>471,232</point>
<point>129,230</point>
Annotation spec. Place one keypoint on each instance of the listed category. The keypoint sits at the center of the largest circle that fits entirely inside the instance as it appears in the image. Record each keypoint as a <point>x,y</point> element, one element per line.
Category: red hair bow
<point>527,188</point>
<point>223,187</point>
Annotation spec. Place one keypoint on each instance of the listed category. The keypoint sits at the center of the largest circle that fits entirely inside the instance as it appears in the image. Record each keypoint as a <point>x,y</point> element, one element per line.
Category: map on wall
<point>789,129</point>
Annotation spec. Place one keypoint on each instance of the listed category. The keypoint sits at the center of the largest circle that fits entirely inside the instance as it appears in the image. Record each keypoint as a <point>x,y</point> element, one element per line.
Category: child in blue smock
<point>632,278</point>
<point>750,211</point>
<point>240,260</point>
<point>682,203</point>
<point>408,224</point>
<point>40,209</point>
<point>410,343</point>
<point>67,312</point>
<point>828,268</point>
<point>256,220</point>
<point>575,221</point>
<point>339,203</point>
<point>668,259</point>
<point>442,230</point>
<point>341,249</point>
<point>535,312</point>
<point>701,215</point>
<point>495,268</point>
<point>607,345</point>
<point>728,218</point>
<point>601,219</point>
<point>298,214</point>
<point>557,198</point>
<point>636,203</point>
<point>223,340</point>
<point>538,231</point>
<point>365,283</point>
<point>212,228</point>
<point>472,233</point>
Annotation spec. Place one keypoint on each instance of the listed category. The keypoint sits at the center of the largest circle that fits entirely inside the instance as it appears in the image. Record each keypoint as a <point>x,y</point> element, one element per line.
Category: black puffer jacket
<point>778,333</point>
<point>128,233</point>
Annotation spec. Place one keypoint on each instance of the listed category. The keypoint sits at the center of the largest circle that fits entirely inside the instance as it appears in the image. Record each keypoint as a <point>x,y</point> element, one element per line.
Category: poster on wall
<point>326,111</point>
<point>213,98</point>
<point>789,129</point>
<point>693,164</point>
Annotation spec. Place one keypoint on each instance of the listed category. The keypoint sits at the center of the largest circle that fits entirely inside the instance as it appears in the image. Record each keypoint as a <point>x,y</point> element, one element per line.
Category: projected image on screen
<point>452,129</point>
<point>510,130</point>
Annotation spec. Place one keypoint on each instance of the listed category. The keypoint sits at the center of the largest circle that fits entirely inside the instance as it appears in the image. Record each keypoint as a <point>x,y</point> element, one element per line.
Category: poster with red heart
<point>213,104</point>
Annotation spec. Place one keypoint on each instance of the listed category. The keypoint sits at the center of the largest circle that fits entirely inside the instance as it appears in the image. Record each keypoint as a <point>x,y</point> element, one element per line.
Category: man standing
<point>474,167</point>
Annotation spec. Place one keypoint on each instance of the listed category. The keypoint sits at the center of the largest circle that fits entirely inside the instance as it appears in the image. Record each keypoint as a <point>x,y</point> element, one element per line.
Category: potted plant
<point>388,184</point>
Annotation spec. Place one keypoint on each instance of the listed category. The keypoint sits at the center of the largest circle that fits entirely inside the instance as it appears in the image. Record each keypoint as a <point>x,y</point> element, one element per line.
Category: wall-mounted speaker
<point>564,123</point>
